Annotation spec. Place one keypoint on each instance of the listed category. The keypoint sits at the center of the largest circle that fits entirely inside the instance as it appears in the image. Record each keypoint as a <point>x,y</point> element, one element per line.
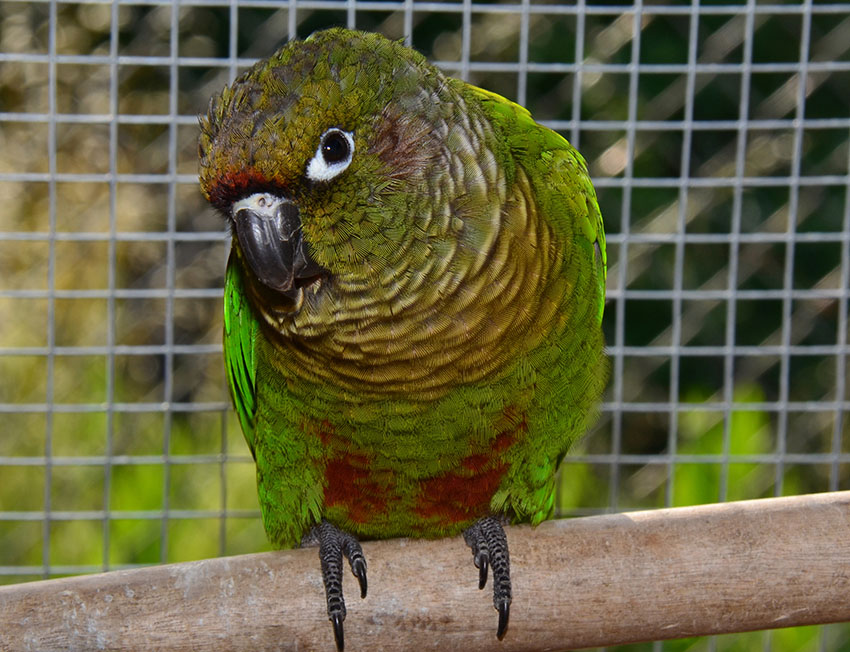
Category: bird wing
<point>553,157</point>
<point>241,329</point>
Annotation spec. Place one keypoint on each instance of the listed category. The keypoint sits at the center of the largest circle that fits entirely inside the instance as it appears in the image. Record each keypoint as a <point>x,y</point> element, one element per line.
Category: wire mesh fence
<point>717,136</point>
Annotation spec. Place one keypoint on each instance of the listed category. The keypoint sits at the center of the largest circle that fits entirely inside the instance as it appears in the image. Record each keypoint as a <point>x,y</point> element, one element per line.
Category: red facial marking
<point>235,184</point>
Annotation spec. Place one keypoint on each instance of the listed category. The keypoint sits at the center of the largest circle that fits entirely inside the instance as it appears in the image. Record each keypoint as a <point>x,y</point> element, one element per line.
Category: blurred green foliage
<point>164,474</point>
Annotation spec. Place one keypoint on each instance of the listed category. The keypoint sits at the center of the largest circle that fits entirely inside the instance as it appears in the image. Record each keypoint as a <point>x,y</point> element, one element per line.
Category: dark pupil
<point>334,148</point>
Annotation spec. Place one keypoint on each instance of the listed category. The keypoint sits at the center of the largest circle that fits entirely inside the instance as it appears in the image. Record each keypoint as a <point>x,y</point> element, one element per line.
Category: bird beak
<point>268,229</point>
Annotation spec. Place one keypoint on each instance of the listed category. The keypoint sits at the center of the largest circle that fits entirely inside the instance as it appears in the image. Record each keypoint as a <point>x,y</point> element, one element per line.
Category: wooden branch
<point>601,580</point>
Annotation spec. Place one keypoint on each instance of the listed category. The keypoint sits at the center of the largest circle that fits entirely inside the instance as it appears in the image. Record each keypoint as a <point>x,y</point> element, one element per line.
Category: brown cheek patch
<point>405,144</point>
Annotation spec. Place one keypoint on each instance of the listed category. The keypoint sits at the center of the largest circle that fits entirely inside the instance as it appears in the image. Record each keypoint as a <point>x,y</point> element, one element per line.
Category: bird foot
<point>333,544</point>
<point>490,548</point>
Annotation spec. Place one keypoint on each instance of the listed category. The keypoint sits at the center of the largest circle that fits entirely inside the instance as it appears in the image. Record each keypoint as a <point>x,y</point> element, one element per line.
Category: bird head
<point>322,159</point>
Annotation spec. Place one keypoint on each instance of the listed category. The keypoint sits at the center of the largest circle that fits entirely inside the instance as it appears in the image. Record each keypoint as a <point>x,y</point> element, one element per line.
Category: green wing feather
<point>240,334</point>
<point>538,143</point>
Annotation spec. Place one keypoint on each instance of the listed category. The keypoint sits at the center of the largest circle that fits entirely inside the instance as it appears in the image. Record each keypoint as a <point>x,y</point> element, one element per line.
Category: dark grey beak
<point>269,232</point>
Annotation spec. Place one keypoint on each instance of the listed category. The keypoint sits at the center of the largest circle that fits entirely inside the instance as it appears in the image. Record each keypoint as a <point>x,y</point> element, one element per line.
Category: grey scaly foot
<point>333,544</point>
<point>490,548</point>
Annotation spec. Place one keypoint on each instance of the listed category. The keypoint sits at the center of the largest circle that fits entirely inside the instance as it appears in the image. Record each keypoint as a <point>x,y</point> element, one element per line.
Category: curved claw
<point>483,563</point>
<point>358,567</point>
<point>339,637</point>
<point>489,546</point>
<point>504,614</point>
<point>334,544</point>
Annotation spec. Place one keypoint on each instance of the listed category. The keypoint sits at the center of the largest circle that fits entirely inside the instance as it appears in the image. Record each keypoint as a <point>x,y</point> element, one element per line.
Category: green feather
<point>240,333</point>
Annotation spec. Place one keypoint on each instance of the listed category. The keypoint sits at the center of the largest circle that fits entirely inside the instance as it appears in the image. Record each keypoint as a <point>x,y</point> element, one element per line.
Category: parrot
<point>412,301</point>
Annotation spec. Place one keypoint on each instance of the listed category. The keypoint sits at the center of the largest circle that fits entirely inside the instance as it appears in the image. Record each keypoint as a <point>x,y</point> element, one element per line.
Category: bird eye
<point>334,147</point>
<point>332,156</point>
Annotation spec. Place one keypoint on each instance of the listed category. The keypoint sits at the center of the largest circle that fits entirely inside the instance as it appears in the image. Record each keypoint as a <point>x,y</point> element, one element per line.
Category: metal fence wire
<point>717,136</point>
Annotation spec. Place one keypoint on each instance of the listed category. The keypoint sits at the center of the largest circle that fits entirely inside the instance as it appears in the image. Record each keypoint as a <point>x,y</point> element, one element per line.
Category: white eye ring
<point>333,155</point>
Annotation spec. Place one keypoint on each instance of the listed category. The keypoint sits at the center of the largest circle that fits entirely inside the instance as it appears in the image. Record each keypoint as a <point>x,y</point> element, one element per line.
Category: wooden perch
<point>601,580</point>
